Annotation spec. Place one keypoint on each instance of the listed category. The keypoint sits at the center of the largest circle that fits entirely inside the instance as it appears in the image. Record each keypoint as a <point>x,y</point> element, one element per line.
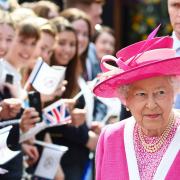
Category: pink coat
<point>111,161</point>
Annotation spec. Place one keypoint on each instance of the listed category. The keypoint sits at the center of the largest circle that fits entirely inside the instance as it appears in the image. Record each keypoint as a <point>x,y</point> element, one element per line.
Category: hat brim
<point>108,87</point>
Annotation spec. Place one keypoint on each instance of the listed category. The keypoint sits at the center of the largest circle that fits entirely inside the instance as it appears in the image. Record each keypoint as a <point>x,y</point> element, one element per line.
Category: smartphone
<point>9,78</point>
<point>6,91</point>
<point>34,98</point>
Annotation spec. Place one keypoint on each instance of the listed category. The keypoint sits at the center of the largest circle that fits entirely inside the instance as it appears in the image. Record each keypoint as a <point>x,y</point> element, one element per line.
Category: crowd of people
<point>67,38</point>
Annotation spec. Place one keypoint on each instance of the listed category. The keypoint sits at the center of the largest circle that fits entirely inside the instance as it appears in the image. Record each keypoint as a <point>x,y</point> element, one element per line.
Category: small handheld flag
<point>57,113</point>
<point>44,78</point>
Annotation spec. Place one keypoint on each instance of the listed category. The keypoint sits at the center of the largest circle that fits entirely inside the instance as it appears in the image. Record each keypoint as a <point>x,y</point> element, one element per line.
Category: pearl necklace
<point>154,147</point>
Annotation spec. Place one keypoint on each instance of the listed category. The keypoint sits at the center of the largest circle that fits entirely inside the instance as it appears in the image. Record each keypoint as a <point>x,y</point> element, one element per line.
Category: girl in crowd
<point>44,49</point>
<point>104,40</point>
<point>44,46</point>
<point>81,23</point>
<point>77,138</point>
<point>19,53</point>
<point>7,32</point>
<point>46,9</point>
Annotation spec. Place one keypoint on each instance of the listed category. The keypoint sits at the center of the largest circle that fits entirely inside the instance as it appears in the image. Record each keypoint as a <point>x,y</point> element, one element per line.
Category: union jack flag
<point>56,114</point>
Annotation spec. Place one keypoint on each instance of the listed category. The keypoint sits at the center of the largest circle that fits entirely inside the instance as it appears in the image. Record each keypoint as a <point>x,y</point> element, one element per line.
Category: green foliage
<point>145,16</point>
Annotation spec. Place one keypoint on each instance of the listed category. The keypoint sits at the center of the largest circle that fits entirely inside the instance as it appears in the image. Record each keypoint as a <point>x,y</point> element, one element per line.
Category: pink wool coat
<point>116,160</point>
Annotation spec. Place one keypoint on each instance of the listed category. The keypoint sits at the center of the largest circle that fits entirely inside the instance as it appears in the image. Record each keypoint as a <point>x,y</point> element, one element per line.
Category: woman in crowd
<point>145,146</point>
<point>46,9</point>
<point>76,138</point>
<point>81,23</point>
<point>104,40</point>
<point>7,32</point>
<point>18,55</point>
<point>44,46</point>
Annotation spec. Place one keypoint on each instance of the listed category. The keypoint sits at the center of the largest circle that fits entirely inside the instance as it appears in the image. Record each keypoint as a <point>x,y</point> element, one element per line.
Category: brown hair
<point>73,14</point>
<point>42,8</point>
<point>73,3</point>
<point>72,69</point>
<point>101,29</point>
<point>28,29</point>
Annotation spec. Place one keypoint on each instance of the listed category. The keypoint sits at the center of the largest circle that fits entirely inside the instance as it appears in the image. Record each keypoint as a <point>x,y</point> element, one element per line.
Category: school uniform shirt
<point>176,46</point>
<point>7,68</point>
<point>92,62</point>
<point>14,166</point>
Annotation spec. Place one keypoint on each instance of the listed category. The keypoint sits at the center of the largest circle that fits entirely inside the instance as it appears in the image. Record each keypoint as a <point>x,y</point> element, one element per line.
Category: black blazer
<point>14,166</point>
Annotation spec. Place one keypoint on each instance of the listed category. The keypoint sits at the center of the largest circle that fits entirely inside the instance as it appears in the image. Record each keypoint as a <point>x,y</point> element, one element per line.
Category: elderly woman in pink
<point>145,146</point>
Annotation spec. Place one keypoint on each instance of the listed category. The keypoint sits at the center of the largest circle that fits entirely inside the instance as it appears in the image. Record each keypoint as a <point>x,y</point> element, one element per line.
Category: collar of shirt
<point>8,68</point>
<point>176,43</point>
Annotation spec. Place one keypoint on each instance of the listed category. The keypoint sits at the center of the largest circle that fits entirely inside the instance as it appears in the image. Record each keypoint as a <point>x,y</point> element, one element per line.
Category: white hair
<point>173,80</point>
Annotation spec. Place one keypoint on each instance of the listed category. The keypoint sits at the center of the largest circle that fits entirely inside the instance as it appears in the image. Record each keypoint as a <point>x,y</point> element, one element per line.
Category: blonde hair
<point>6,18</point>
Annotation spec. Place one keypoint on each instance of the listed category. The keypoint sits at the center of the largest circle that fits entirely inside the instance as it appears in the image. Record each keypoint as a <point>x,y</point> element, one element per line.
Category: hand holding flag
<point>57,113</point>
<point>44,78</point>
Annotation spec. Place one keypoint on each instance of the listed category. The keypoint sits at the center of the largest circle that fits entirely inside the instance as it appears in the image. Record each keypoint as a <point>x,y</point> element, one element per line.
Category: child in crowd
<point>44,50</point>
<point>7,32</point>
<point>104,40</point>
<point>81,23</point>
<point>46,9</point>
<point>76,138</point>
<point>44,46</point>
<point>18,55</point>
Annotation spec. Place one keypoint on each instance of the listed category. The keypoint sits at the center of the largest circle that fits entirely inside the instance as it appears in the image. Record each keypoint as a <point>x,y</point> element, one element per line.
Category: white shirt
<point>7,68</point>
<point>176,44</point>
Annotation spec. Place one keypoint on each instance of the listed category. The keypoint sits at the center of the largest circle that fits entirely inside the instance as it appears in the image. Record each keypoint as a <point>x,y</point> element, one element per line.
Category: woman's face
<point>82,31</point>
<point>150,102</point>
<point>6,36</point>
<point>44,47</point>
<point>21,51</point>
<point>105,44</point>
<point>65,47</point>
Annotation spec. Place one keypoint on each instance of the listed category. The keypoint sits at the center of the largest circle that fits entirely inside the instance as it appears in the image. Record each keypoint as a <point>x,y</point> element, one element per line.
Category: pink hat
<point>145,59</point>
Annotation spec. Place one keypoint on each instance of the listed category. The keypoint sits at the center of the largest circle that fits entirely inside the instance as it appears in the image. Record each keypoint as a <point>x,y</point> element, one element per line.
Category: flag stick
<point>50,145</point>
<point>91,84</point>
<point>34,73</point>
<point>26,85</point>
<point>78,95</point>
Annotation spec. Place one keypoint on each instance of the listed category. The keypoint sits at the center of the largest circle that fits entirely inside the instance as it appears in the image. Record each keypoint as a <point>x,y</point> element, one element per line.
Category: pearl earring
<point>127,109</point>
